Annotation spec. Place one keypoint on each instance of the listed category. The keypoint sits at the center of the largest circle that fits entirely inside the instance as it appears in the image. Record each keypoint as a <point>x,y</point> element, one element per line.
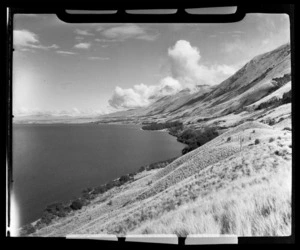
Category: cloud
<point>186,66</point>
<point>98,58</point>
<point>73,112</point>
<point>186,73</point>
<point>25,39</point>
<point>82,45</point>
<point>142,95</point>
<point>65,52</point>
<point>126,31</point>
<point>83,32</point>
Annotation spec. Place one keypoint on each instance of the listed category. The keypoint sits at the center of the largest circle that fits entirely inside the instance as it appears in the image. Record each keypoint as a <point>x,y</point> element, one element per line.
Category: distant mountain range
<point>257,79</point>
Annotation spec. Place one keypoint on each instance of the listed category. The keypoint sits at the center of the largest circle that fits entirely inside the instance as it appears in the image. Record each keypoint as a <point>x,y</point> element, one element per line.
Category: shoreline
<point>141,169</point>
<point>115,182</point>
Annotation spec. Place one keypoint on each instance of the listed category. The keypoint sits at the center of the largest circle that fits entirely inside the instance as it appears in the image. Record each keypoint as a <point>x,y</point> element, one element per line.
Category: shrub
<point>124,178</point>
<point>110,185</point>
<point>253,131</point>
<point>271,139</point>
<point>86,190</point>
<point>27,229</point>
<point>189,148</point>
<point>47,218</point>
<point>257,141</point>
<point>271,122</point>
<point>109,203</point>
<point>58,209</point>
<point>287,97</point>
<point>141,169</point>
<point>159,126</point>
<point>76,205</point>
<point>99,190</point>
<point>87,196</point>
<point>196,138</point>
<point>228,139</point>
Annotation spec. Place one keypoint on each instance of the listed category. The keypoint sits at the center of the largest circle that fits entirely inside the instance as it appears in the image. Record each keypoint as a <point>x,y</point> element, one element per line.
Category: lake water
<point>56,162</point>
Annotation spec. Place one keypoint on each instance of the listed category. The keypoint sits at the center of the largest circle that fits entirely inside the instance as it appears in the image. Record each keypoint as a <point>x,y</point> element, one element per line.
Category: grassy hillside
<point>237,183</point>
<point>240,185</point>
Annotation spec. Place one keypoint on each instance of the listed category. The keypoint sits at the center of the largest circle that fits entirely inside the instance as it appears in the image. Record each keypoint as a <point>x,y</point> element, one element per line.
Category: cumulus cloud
<point>25,39</point>
<point>186,73</point>
<point>142,95</point>
<point>82,46</point>
<point>186,67</point>
<point>125,31</point>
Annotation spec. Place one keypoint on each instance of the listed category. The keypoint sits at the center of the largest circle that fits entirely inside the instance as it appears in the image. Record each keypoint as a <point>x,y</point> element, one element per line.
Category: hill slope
<point>260,77</point>
<point>237,183</point>
<point>233,188</point>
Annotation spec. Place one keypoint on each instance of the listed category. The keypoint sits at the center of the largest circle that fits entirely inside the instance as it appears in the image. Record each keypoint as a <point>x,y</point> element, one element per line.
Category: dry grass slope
<point>226,186</point>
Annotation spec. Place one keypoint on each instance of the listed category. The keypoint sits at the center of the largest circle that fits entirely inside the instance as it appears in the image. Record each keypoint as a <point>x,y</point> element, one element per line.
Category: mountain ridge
<point>248,85</point>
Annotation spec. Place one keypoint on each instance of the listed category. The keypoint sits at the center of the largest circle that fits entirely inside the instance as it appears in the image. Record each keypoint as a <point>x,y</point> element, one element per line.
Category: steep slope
<point>251,83</point>
<point>254,81</point>
<point>248,187</point>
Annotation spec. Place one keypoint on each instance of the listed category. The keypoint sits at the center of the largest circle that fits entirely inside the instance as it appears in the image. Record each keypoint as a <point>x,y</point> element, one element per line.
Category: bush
<point>196,138</point>
<point>124,178</point>
<point>287,97</point>
<point>76,205</point>
<point>189,148</point>
<point>228,139</point>
<point>109,203</point>
<point>271,122</point>
<point>141,169</point>
<point>57,209</point>
<point>86,190</point>
<point>110,185</point>
<point>257,141</point>
<point>99,190</point>
<point>47,218</point>
<point>271,139</point>
<point>27,229</point>
<point>159,126</point>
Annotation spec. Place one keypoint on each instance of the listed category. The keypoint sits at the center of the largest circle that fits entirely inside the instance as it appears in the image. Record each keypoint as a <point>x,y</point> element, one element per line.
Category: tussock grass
<point>213,190</point>
<point>210,153</point>
<point>255,207</point>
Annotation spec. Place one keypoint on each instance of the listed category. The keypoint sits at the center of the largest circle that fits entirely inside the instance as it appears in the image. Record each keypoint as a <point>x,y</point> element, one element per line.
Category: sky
<point>92,69</point>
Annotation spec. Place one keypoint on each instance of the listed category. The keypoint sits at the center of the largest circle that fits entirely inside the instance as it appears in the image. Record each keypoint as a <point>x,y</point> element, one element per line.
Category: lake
<point>54,163</point>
